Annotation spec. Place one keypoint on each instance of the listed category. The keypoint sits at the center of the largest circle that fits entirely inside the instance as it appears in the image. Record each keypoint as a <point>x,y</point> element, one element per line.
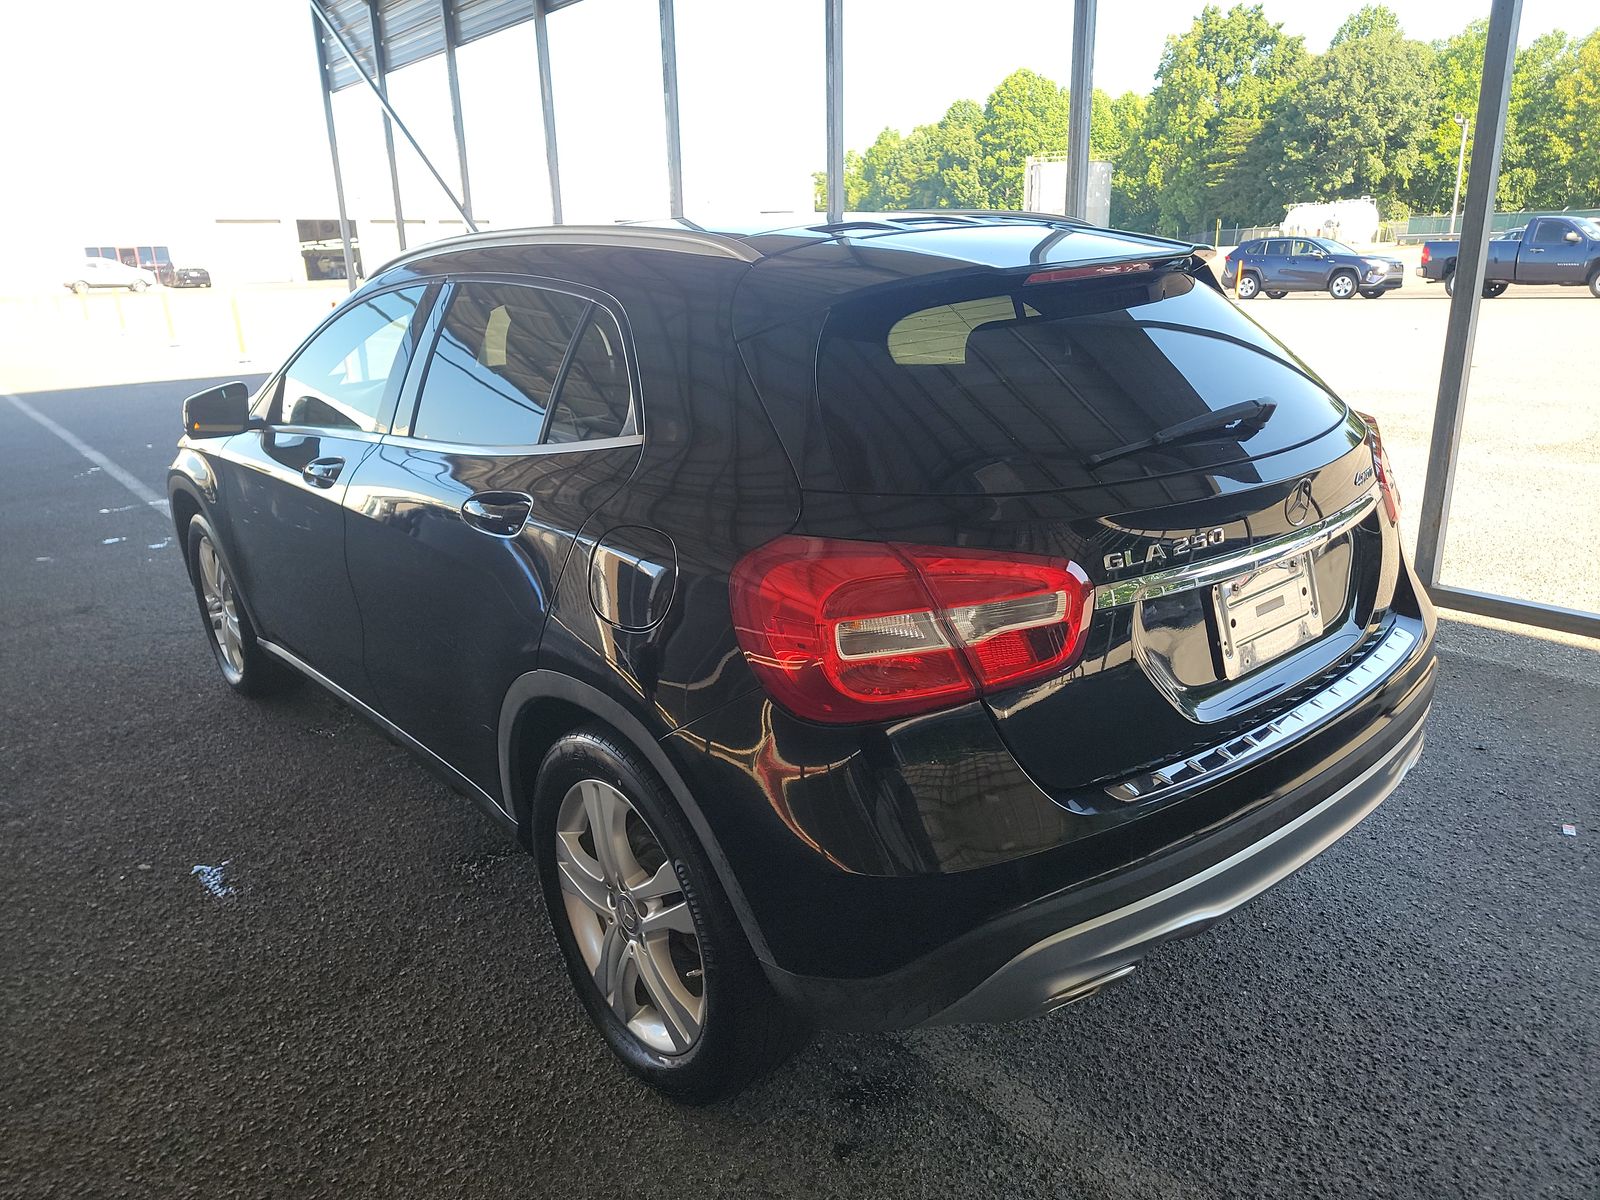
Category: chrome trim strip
<point>1237,752</point>
<point>481,797</point>
<point>1204,574</point>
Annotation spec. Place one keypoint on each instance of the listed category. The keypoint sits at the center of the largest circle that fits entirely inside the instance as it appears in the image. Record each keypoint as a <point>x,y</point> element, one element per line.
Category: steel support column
<point>1081,99</point>
<point>381,78</point>
<point>344,44</point>
<point>333,153</point>
<point>453,79</point>
<point>1499,59</point>
<point>547,101</point>
<point>833,45</point>
<point>1462,326</point>
<point>669,92</point>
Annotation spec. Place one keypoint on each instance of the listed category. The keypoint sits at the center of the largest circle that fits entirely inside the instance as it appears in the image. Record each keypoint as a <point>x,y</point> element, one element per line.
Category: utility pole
<point>1461,162</point>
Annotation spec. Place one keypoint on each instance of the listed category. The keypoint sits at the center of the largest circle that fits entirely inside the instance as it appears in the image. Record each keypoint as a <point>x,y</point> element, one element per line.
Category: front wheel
<point>138,285</point>
<point>80,288</point>
<point>1276,295</point>
<point>1249,286</point>
<point>1372,293</point>
<point>244,665</point>
<point>1342,286</point>
<point>1493,289</point>
<point>650,940</point>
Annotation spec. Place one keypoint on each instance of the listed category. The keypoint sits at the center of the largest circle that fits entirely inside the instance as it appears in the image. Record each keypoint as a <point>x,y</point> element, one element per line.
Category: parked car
<point>1564,251</point>
<point>191,277</point>
<point>907,621</point>
<point>1280,265</point>
<point>108,273</point>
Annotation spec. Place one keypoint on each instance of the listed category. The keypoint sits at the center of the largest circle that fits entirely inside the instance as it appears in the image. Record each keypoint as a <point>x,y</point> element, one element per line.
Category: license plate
<point>1265,613</point>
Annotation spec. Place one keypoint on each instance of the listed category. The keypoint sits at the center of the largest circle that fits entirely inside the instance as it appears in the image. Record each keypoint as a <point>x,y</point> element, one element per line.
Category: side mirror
<point>217,412</point>
<point>1573,236</point>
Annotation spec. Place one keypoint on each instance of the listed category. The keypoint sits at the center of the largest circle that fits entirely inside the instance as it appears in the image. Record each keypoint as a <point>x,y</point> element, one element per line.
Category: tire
<point>1493,289</point>
<point>717,1039</point>
<point>1594,284</point>
<point>245,667</point>
<point>1342,285</point>
<point>1276,295</point>
<point>138,285</point>
<point>1450,284</point>
<point>1249,286</point>
<point>80,288</point>
<point>1372,293</point>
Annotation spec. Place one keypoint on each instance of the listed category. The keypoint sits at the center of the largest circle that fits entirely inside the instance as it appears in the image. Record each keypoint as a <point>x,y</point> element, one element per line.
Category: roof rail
<point>643,237</point>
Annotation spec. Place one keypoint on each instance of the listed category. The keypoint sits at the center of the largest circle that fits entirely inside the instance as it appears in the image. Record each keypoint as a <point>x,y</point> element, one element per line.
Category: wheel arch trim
<point>541,684</point>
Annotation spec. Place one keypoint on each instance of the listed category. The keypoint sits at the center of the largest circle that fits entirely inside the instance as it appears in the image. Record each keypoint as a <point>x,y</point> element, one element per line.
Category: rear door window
<point>594,400</point>
<point>995,385</point>
<point>499,352</point>
<point>1277,248</point>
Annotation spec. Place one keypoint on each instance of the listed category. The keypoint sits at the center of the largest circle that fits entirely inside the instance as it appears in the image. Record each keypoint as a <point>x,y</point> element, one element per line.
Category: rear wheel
<point>244,665</point>
<point>1343,285</point>
<point>650,940</point>
<point>81,287</point>
<point>138,285</point>
<point>1594,284</point>
<point>1276,295</point>
<point>1249,286</point>
<point>1450,284</point>
<point>1493,289</point>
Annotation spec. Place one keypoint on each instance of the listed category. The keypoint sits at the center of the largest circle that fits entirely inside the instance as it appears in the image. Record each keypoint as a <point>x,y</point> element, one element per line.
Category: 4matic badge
<point>1161,551</point>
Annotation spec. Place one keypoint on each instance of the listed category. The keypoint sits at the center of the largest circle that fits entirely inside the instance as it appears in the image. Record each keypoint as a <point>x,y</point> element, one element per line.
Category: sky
<point>198,109</point>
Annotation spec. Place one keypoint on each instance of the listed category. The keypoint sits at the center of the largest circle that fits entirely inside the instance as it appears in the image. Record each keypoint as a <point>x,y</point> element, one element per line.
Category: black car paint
<point>1554,262</point>
<point>612,601</point>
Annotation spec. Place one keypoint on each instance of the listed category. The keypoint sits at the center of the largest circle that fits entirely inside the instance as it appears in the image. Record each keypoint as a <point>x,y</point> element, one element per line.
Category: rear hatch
<point>1219,498</point>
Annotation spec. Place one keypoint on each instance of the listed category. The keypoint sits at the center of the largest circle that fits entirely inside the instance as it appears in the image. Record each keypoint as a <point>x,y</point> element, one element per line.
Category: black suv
<point>903,621</point>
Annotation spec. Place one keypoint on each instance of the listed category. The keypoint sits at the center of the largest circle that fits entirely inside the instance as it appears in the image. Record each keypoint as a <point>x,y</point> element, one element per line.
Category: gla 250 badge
<point>1161,551</point>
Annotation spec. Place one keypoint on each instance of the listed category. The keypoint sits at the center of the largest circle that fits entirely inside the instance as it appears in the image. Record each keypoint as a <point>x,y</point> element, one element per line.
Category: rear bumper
<point>1063,944</point>
<point>1077,961</point>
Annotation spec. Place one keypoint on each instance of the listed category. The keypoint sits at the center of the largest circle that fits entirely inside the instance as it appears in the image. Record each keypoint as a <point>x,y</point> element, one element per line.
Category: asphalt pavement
<point>365,1000</point>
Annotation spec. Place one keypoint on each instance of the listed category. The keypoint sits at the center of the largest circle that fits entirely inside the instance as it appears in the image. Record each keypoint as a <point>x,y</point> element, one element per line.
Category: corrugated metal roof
<point>414,29</point>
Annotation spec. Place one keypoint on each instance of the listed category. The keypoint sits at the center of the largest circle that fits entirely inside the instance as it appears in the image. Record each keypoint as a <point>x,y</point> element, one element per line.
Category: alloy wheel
<point>629,917</point>
<point>1342,286</point>
<point>222,606</point>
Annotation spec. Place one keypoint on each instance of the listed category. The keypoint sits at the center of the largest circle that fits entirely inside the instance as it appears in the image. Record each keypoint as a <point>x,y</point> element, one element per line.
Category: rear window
<point>994,385</point>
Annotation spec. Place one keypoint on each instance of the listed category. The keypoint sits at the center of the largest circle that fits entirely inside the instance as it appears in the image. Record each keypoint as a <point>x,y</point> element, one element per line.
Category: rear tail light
<point>845,631</point>
<point>1426,256</point>
<point>1380,463</point>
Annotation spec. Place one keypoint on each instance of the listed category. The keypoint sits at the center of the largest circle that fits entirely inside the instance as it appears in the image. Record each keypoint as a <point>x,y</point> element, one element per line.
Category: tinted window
<point>341,379</point>
<point>593,402</point>
<point>1550,233</point>
<point>495,363</point>
<point>995,386</point>
<point>1276,248</point>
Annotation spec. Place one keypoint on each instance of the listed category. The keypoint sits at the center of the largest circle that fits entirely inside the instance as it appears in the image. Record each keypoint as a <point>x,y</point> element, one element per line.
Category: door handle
<point>499,514</point>
<point>1535,250</point>
<point>322,472</point>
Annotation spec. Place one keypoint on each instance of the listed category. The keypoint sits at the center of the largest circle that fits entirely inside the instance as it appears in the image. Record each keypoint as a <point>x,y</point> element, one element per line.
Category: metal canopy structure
<point>360,41</point>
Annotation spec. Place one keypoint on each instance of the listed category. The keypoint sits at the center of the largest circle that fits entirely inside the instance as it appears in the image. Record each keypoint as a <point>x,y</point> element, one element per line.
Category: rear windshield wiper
<point>1247,414</point>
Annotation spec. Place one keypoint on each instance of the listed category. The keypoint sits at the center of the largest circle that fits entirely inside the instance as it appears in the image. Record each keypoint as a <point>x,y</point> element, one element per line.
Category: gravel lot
<point>377,1008</point>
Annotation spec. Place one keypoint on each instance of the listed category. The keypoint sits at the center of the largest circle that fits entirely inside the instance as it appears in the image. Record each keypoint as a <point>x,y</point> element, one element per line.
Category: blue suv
<point>1280,265</point>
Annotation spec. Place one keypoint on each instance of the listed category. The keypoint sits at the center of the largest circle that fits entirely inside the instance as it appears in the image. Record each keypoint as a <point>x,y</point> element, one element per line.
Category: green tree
<point>1361,121</point>
<point>1577,94</point>
<point>1215,88</point>
<point>1026,114</point>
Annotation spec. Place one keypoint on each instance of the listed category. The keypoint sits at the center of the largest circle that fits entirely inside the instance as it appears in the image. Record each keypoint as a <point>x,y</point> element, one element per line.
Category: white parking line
<point>125,478</point>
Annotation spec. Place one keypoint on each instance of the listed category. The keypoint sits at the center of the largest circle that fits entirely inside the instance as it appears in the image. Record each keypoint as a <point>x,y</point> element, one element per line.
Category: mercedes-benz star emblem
<point>1298,506</point>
